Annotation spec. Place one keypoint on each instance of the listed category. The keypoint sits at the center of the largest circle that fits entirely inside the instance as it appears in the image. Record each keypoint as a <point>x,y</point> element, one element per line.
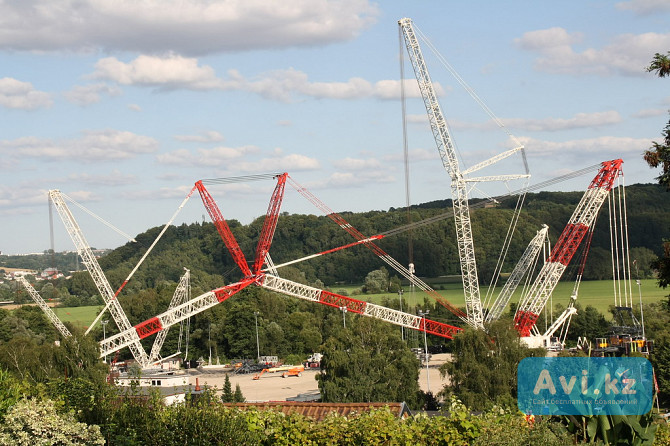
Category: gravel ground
<point>272,387</point>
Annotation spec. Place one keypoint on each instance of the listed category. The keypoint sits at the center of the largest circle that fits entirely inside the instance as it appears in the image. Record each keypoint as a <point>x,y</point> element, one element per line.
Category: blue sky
<point>123,105</point>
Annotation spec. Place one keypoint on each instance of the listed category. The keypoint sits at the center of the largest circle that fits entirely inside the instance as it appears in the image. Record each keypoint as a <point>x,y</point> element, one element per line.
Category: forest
<point>288,326</point>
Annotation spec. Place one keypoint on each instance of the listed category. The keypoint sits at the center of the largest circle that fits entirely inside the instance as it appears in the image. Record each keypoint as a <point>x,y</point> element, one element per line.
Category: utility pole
<point>104,326</point>
<point>344,315</point>
<point>258,346</point>
<point>402,328</point>
<point>425,343</point>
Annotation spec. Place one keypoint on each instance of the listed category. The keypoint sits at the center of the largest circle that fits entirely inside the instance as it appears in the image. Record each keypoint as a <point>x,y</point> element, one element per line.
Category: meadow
<point>598,293</point>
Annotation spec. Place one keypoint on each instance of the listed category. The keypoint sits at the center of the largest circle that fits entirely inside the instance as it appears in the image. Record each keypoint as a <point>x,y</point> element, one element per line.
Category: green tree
<point>368,362</point>
<point>37,422</point>
<point>483,370</point>
<point>660,64</point>
<point>227,393</point>
<point>659,155</point>
<point>377,281</point>
<point>238,397</point>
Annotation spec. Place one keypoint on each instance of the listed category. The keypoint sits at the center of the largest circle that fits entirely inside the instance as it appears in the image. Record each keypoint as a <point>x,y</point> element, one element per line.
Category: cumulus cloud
<point>114,178</point>
<point>92,146</point>
<point>644,7</point>
<point>580,120</point>
<point>90,94</point>
<point>203,137</point>
<point>293,162</point>
<point>357,164</point>
<point>218,156</point>
<point>627,54</point>
<point>191,27</point>
<point>585,147</point>
<point>169,72</point>
<point>22,95</point>
<point>172,71</point>
<point>341,180</point>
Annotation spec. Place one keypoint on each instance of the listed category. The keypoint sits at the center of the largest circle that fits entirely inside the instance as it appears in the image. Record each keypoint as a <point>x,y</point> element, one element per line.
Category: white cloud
<point>192,27</point>
<point>218,156</point>
<point>90,94</point>
<point>586,147</point>
<point>134,107</point>
<point>650,113</point>
<point>644,7</point>
<point>176,72</point>
<point>627,54</point>
<point>293,162</point>
<point>341,180</point>
<point>203,137</point>
<point>171,71</point>
<point>357,164</point>
<point>22,95</point>
<point>580,120</point>
<point>115,178</point>
<point>157,194</point>
<point>92,146</point>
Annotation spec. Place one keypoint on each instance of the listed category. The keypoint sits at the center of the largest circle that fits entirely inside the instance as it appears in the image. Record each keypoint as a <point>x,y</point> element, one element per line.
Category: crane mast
<point>438,125</point>
<point>101,283</point>
<point>43,305</point>
<point>579,224</point>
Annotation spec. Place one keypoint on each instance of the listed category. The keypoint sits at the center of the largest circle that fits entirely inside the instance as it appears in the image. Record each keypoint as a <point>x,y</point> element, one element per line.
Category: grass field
<point>82,316</point>
<point>599,294</point>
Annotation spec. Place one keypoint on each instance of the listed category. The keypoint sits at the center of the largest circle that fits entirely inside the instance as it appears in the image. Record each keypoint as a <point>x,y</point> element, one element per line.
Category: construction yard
<point>272,387</point>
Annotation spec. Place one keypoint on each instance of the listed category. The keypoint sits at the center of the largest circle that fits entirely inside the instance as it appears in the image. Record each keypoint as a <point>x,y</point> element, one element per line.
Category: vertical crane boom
<point>579,224</point>
<point>446,149</point>
<point>101,283</point>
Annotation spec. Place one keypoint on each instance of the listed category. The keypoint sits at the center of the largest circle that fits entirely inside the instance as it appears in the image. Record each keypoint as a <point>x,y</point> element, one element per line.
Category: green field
<point>82,316</point>
<point>599,294</point>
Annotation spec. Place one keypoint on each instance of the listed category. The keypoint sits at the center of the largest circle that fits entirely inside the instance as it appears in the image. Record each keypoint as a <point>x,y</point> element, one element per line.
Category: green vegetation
<point>81,316</point>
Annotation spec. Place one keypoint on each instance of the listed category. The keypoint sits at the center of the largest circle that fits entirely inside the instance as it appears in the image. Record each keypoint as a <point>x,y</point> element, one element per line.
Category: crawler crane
<point>459,181</point>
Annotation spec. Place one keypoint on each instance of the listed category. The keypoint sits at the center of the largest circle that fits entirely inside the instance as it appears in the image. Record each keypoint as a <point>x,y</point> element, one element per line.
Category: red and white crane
<point>561,254</point>
<point>459,190</point>
<point>271,282</point>
<point>101,283</point>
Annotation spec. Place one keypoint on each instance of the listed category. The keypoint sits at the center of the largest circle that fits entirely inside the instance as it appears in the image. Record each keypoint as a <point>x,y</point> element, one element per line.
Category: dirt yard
<point>272,387</point>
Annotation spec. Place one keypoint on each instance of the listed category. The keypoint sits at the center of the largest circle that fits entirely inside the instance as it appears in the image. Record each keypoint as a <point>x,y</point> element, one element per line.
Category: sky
<point>123,105</point>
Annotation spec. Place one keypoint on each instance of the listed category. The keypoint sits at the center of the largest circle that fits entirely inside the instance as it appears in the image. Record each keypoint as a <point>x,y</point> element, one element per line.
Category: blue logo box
<point>585,386</point>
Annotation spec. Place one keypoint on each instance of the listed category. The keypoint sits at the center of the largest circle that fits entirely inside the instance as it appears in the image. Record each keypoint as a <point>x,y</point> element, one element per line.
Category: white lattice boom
<point>101,283</point>
<point>43,305</point>
<point>528,259</point>
<point>179,297</point>
<point>446,149</point>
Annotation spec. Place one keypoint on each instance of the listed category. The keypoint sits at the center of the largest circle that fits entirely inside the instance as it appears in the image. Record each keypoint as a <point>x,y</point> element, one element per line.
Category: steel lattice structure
<point>447,152</point>
<point>101,283</point>
<point>43,305</point>
<point>579,224</point>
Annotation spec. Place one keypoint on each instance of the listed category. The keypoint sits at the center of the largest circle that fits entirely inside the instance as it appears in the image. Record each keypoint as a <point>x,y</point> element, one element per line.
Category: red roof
<point>319,411</point>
